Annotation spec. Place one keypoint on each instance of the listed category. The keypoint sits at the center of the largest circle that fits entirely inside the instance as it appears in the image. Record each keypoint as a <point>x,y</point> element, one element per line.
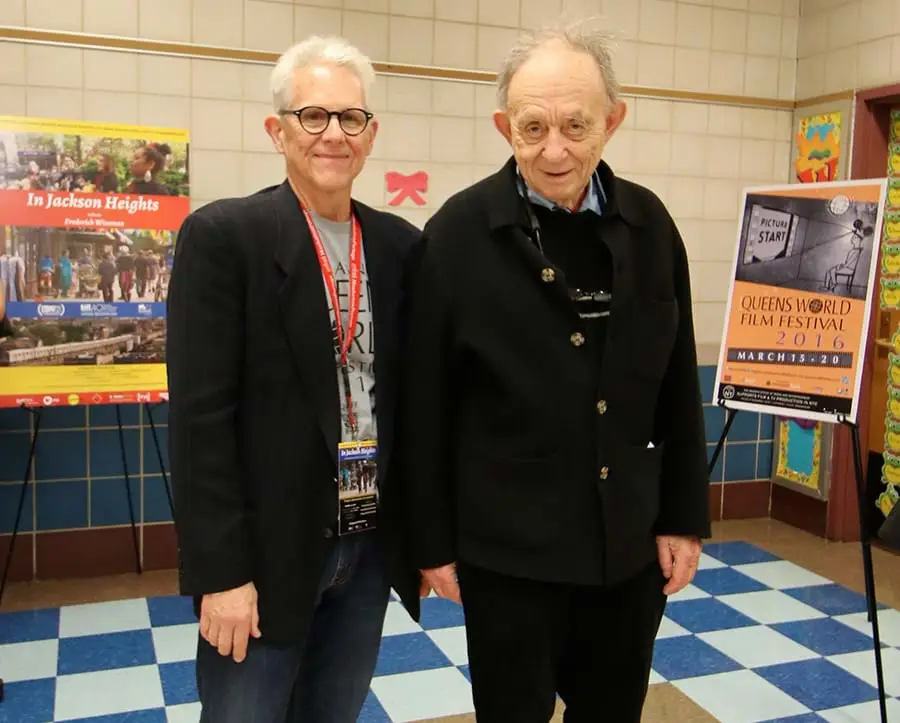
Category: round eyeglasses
<point>315,120</point>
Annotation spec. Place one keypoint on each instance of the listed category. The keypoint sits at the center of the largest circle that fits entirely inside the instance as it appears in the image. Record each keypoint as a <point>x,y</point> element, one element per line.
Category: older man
<point>552,428</point>
<point>283,316</point>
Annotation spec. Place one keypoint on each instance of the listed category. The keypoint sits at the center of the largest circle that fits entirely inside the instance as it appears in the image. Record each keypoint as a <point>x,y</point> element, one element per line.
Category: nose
<point>333,130</point>
<point>555,146</point>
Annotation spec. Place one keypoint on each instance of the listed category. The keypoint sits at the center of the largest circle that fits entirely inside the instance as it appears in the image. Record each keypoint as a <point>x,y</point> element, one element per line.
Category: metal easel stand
<point>864,539</point>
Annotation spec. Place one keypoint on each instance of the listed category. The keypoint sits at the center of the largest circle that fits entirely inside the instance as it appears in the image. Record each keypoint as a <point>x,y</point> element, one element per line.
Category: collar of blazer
<point>504,203</point>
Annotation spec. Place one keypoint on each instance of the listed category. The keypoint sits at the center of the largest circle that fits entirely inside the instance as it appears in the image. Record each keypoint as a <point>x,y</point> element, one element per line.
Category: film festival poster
<point>89,214</point>
<point>802,287</point>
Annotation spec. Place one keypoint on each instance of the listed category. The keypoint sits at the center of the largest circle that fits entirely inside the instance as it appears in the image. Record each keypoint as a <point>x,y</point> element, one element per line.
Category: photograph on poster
<point>802,286</point>
<point>89,218</point>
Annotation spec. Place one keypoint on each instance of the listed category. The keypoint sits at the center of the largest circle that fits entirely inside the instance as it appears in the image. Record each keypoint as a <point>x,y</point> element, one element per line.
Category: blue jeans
<point>327,679</point>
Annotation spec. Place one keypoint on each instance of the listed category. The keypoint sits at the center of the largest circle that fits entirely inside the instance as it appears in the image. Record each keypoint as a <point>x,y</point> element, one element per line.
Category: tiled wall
<point>696,156</point>
<point>79,485</point>
<point>847,44</point>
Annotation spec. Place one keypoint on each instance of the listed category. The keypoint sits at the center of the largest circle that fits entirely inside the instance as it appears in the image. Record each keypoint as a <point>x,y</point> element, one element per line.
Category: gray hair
<point>317,49</point>
<point>580,37</point>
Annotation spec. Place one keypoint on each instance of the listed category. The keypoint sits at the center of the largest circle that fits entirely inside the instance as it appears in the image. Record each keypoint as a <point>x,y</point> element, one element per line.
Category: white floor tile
<point>424,694</point>
<point>29,661</point>
<point>398,622</point>
<point>452,642</point>
<point>888,625</point>
<point>188,713</point>
<point>670,629</point>
<point>771,607</point>
<point>781,575</point>
<point>709,563</point>
<point>100,618</point>
<point>740,697</point>
<point>656,678</point>
<point>862,665</point>
<point>757,646</point>
<point>688,593</point>
<point>108,692</point>
<point>175,643</point>
<point>862,713</point>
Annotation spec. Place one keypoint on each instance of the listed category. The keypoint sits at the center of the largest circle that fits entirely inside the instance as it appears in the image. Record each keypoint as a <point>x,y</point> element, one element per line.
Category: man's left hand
<point>678,558</point>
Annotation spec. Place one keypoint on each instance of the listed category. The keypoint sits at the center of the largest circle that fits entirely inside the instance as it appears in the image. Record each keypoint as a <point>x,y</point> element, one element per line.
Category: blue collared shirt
<point>594,201</point>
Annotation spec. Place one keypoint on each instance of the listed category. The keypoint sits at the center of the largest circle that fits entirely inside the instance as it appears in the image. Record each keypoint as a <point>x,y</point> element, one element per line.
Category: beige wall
<point>696,156</point>
<point>847,45</point>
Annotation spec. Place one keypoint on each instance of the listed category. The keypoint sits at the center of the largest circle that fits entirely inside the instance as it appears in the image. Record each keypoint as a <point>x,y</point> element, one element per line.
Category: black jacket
<point>514,442</point>
<point>254,419</point>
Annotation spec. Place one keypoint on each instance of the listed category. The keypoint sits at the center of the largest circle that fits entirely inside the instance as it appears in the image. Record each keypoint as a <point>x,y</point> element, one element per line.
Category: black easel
<point>162,467</point>
<point>864,538</point>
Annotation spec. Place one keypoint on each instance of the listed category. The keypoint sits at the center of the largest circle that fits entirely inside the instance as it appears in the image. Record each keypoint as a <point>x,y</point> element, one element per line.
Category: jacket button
<point>601,406</point>
<point>548,275</point>
<point>577,338</point>
<point>604,472</point>
<point>327,532</point>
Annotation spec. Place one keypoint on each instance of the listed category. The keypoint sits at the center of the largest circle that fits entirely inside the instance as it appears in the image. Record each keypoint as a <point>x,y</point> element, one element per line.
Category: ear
<point>615,117</point>
<point>502,124</point>
<point>273,127</point>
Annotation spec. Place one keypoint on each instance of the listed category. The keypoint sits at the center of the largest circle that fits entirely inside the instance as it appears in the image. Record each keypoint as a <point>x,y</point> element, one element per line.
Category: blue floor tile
<point>464,669</point>
<point>372,712</point>
<point>818,684</point>
<point>805,718</point>
<point>738,553</point>
<point>28,701</point>
<point>689,657</point>
<point>179,682</point>
<point>171,610</point>
<point>706,615</point>
<point>27,626</point>
<point>830,599</point>
<point>408,653</point>
<point>153,715</point>
<point>440,613</point>
<point>90,653</point>
<point>725,581</point>
<point>825,636</point>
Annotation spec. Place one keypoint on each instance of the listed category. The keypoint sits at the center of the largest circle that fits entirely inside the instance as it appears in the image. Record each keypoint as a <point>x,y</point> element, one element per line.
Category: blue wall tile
<point>707,383</point>
<point>63,418</point>
<point>105,415</point>
<point>109,501</point>
<point>14,420</point>
<point>156,502</point>
<point>106,452</point>
<point>744,428</point>
<point>151,458</point>
<point>61,505</point>
<point>740,462</point>
<point>14,448</point>
<point>715,423</point>
<point>717,473</point>
<point>61,454</point>
<point>764,453</point>
<point>9,505</point>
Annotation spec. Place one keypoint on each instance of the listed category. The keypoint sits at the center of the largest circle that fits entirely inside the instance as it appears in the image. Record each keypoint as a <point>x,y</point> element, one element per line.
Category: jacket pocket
<point>631,491</point>
<point>511,502</point>
<point>654,326</point>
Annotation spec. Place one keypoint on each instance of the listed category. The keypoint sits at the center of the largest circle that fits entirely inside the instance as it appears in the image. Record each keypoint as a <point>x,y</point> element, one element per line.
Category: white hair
<point>580,36</point>
<point>317,49</point>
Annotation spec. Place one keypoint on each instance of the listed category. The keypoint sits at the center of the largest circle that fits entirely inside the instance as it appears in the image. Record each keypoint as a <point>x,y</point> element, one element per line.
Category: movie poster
<point>89,213</point>
<point>801,291</point>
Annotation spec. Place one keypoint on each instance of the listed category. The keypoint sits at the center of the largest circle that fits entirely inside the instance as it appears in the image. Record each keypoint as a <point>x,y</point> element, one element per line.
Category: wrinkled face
<point>330,160</point>
<point>558,121</point>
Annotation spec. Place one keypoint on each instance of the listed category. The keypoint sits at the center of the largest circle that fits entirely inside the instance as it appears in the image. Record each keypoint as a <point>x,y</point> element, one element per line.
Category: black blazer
<point>254,419</point>
<point>511,437</point>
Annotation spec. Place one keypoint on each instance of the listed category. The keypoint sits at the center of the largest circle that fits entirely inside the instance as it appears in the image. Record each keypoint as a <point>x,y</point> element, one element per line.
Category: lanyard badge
<point>357,459</point>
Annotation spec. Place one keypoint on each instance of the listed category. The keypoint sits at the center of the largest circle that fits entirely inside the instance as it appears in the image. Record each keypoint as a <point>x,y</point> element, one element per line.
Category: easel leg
<point>868,569</point>
<point>36,415</point>
<point>730,414</point>
<point>134,535</point>
<point>159,456</point>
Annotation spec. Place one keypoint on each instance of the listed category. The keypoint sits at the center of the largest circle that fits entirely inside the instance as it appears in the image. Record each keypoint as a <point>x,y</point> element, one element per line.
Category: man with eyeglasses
<point>282,412</point>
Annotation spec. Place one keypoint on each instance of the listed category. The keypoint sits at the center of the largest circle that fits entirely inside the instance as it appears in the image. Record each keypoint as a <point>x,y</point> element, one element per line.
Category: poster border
<point>862,343</point>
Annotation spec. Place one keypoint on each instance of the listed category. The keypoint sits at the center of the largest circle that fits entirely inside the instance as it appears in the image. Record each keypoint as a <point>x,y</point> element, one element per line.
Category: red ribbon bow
<point>409,186</point>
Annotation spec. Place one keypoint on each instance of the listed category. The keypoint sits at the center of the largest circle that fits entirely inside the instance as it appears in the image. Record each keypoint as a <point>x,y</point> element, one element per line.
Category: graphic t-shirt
<point>336,239</point>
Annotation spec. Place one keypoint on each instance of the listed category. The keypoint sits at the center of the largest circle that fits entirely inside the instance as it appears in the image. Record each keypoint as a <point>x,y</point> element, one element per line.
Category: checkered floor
<point>755,638</point>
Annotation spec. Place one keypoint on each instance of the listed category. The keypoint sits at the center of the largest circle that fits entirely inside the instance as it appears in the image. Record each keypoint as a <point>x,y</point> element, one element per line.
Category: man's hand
<point>443,581</point>
<point>228,619</point>
<point>678,558</point>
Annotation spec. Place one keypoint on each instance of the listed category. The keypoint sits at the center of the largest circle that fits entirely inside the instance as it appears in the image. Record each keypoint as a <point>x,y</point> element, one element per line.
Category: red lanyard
<point>344,336</point>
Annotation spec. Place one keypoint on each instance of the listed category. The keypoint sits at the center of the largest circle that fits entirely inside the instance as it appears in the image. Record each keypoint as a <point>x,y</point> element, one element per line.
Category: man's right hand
<point>228,619</point>
<point>443,581</point>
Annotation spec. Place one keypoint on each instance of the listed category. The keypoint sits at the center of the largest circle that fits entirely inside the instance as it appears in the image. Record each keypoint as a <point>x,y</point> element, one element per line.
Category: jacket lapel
<point>305,315</point>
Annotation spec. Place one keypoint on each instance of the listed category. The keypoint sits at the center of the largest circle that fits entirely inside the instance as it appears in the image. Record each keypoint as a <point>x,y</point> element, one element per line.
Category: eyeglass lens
<point>315,120</point>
